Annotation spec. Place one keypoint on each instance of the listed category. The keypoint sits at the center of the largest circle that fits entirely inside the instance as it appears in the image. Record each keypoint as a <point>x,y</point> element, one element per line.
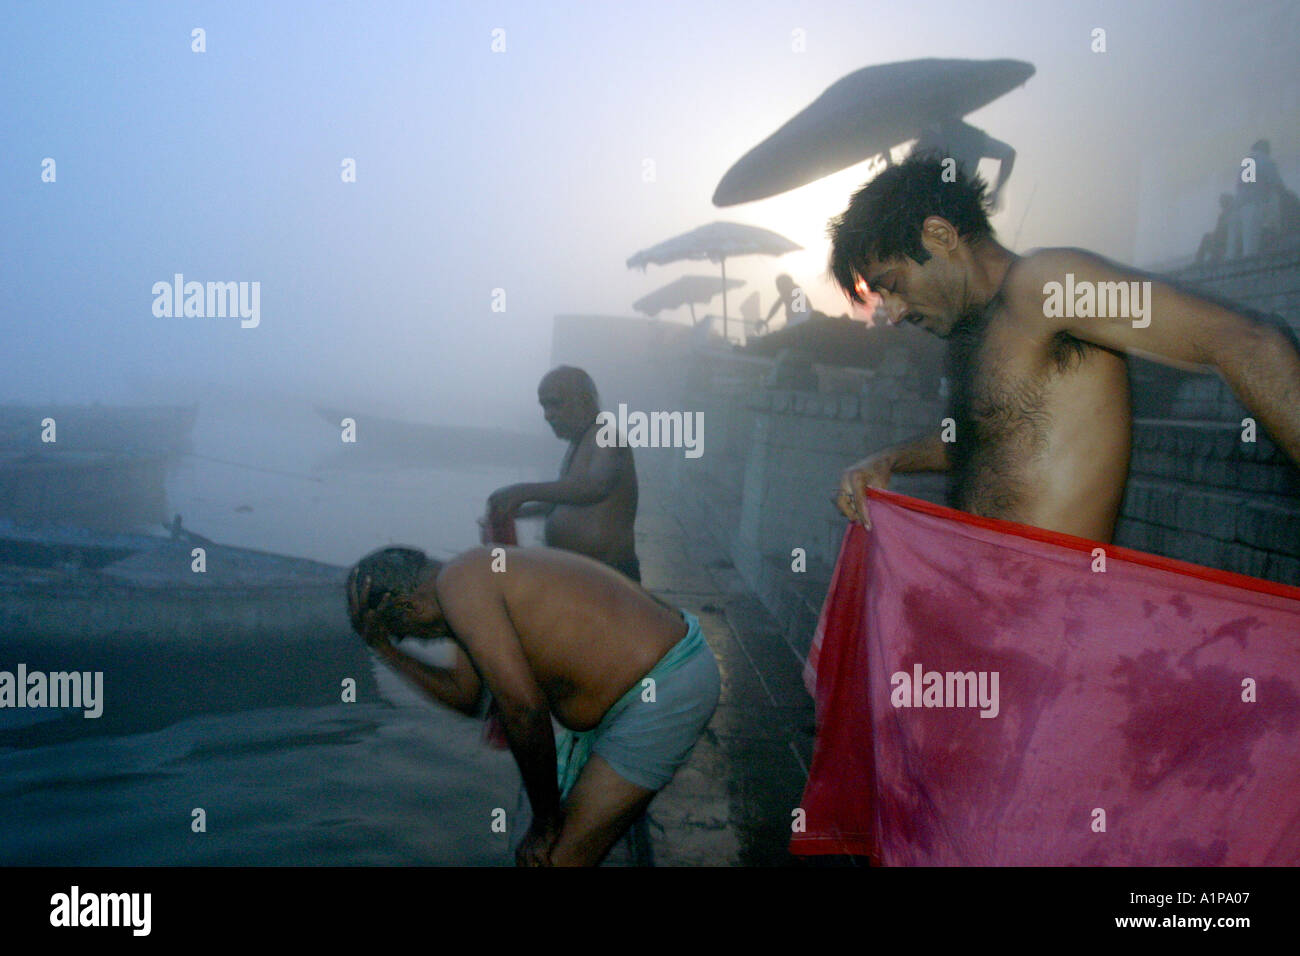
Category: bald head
<point>573,379</point>
<point>569,401</point>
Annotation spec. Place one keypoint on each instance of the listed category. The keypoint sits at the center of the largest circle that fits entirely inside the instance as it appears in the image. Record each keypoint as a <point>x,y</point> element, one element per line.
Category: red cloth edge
<point>1232,578</point>
<point>861,840</point>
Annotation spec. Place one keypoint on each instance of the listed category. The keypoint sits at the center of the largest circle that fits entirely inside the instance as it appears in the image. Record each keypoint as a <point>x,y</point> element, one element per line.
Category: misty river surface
<point>284,772</point>
<point>365,784</point>
<point>276,477</point>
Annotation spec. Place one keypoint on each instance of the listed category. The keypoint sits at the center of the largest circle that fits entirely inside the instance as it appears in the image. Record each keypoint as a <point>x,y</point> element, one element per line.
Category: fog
<point>518,176</point>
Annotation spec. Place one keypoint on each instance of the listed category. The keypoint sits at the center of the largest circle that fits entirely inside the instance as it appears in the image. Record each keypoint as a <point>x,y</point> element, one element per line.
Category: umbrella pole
<point>724,298</point>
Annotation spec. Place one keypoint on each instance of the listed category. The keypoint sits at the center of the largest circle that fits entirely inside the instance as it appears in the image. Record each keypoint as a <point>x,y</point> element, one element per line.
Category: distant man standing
<point>1257,205</point>
<point>591,507</point>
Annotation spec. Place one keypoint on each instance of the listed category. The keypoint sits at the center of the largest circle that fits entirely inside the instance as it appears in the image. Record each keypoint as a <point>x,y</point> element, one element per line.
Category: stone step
<point>1268,522</point>
<point>1207,551</point>
<point>794,599</point>
<point>1211,455</point>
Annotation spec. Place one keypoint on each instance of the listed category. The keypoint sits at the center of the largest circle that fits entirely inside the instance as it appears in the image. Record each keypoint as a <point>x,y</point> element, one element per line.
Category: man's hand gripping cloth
<point>645,741</point>
<point>1144,711</point>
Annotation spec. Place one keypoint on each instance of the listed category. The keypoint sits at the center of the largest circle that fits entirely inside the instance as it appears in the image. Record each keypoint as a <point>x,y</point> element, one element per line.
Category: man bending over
<point>559,635</point>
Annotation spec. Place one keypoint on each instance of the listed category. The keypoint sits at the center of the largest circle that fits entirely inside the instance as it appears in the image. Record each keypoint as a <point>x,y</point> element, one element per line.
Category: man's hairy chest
<point>1005,397</point>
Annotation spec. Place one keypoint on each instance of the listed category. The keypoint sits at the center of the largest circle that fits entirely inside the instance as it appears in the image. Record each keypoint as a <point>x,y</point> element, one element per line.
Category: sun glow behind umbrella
<point>802,215</point>
<point>716,242</point>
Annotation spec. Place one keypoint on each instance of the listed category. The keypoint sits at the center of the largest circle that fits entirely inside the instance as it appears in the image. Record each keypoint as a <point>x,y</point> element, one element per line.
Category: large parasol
<point>863,115</point>
<point>688,290</point>
<point>716,242</point>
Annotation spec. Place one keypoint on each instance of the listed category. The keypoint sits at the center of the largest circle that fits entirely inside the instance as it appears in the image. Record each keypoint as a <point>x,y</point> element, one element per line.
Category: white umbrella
<point>687,290</point>
<point>716,242</point>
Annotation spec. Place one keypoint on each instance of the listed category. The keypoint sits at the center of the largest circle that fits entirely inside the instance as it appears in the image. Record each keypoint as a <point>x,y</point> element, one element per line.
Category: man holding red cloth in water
<point>591,507</point>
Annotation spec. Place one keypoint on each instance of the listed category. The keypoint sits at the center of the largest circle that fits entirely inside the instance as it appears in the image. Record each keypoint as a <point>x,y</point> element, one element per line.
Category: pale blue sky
<point>523,170</point>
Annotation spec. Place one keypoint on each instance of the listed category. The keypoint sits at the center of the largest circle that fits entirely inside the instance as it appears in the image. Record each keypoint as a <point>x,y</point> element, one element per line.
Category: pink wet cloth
<point>1119,705</point>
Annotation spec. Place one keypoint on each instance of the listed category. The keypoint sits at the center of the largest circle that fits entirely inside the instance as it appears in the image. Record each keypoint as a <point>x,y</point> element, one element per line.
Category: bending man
<point>554,635</point>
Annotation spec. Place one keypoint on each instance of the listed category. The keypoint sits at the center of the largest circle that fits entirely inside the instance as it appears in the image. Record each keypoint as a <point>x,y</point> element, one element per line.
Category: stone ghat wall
<point>773,465</point>
<point>1267,287</point>
<point>1196,491</point>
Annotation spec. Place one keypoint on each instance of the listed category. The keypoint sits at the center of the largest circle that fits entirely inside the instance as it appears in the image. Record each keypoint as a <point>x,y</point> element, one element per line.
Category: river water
<point>282,773</point>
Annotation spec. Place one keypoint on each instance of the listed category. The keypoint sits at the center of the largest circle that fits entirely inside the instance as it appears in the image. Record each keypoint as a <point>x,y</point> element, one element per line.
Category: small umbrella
<point>687,290</point>
<point>862,115</point>
<point>717,242</point>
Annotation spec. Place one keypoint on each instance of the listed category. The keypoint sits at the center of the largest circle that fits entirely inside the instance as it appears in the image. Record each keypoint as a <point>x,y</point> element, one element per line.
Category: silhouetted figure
<point>794,300</point>
<point>1214,244</point>
<point>967,145</point>
<point>1258,205</point>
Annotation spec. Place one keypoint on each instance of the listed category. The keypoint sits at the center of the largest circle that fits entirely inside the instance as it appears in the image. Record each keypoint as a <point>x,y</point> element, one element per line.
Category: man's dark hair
<point>395,571</point>
<point>884,217</point>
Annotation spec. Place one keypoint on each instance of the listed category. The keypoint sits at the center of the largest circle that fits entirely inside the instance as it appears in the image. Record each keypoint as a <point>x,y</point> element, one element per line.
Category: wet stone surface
<point>732,803</point>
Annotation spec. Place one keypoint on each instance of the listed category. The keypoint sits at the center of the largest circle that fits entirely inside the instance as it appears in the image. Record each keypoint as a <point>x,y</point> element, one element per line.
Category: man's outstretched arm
<point>1175,327</point>
<point>586,487</point>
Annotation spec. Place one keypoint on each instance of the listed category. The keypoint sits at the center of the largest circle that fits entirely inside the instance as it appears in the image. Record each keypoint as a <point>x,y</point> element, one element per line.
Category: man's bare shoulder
<point>501,578</point>
<point>598,444</point>
<point>500,564</point>
<point>1034,276</point>
<point>1034,270</point>
<point>468,568</point>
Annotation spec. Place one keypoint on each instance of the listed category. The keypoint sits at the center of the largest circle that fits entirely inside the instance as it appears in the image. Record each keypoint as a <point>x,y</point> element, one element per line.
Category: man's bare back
<point>587,633</point>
